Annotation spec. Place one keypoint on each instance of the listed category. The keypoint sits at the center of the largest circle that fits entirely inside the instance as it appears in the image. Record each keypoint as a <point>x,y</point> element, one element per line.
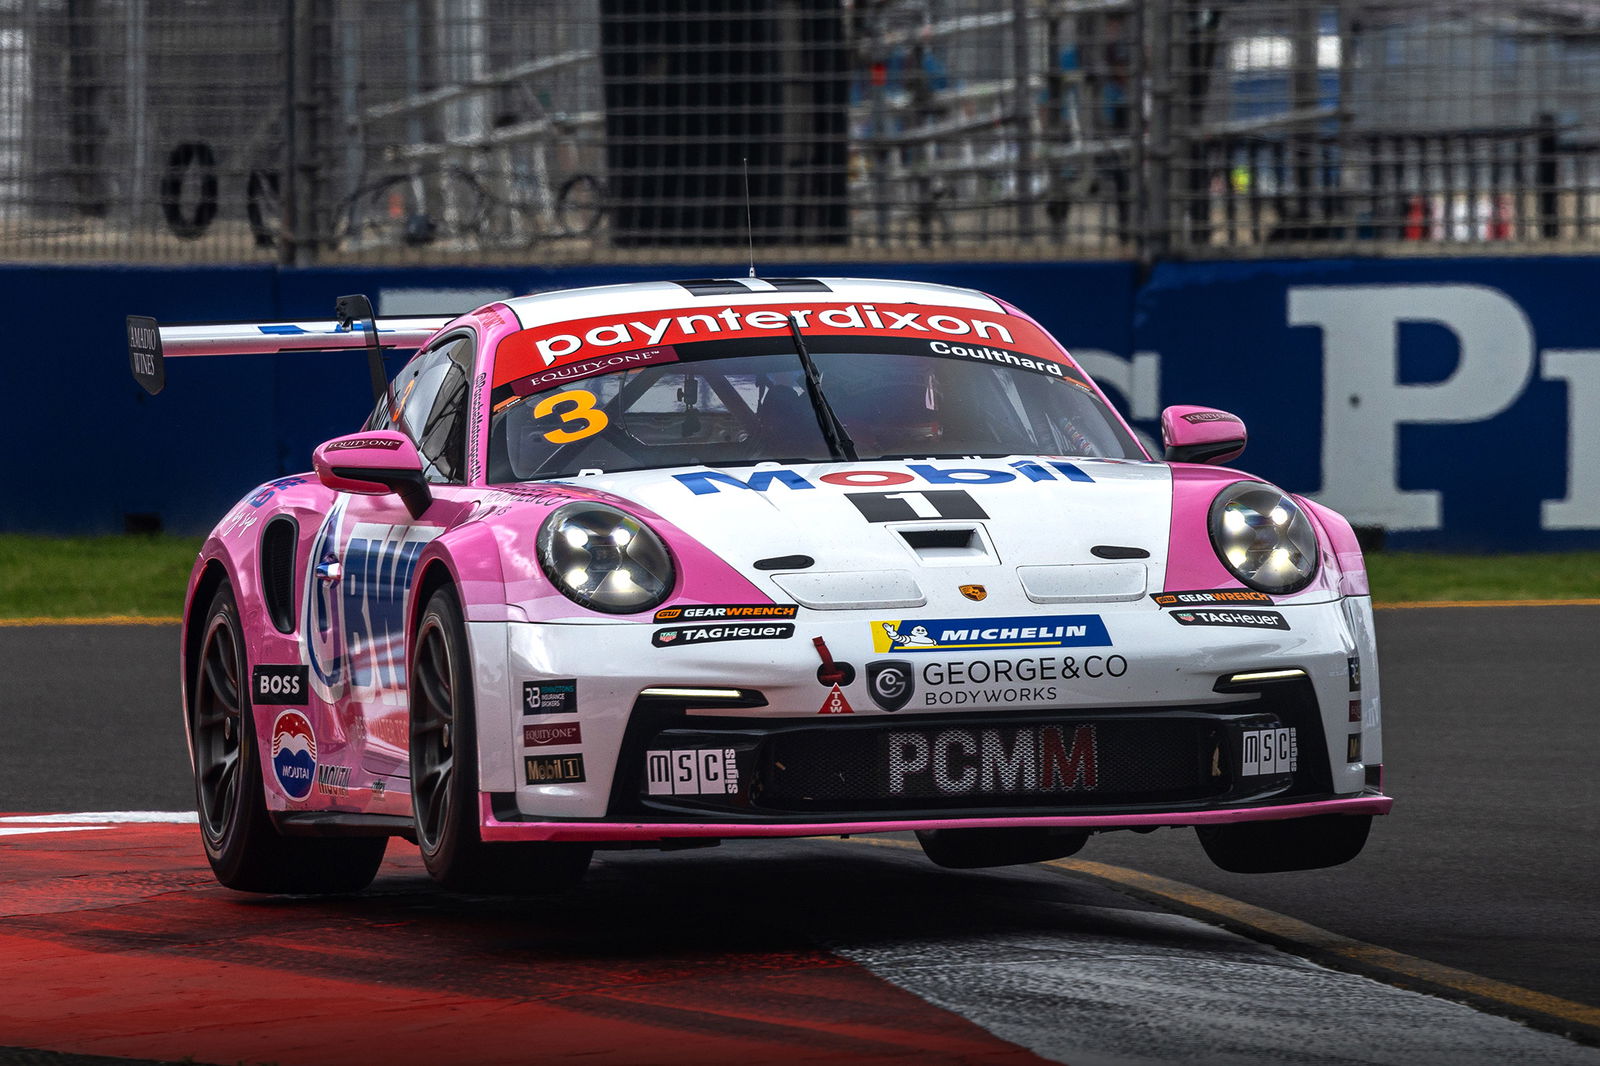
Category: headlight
<point>604,560</point>
<point>1264,538</point>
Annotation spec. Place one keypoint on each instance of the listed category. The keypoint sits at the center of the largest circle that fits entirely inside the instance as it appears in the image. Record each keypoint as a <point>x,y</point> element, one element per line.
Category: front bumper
<point>1167,737</point>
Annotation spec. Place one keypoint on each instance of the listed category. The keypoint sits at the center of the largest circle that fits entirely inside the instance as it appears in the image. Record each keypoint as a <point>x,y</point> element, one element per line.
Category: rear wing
<point>150,344</point>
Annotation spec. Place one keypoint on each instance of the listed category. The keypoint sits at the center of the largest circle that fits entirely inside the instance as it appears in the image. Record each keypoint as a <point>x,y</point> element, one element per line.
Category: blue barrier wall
<point>1454,402</point>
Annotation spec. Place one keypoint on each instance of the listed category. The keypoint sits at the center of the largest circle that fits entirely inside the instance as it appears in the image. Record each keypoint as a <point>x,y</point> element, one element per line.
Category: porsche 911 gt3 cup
<point>687,561</point>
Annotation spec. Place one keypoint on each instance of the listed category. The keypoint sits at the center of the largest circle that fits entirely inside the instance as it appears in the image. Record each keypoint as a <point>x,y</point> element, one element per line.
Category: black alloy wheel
<point>245,849</point>
<point>444,773</point>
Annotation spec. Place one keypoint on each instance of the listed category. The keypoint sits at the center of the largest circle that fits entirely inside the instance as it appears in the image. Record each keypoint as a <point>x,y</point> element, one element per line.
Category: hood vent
<point>853,591</point>
<point>945,545</point>
<point>1083,582</point>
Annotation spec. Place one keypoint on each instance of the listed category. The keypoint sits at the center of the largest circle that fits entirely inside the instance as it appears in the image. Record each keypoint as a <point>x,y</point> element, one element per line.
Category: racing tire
<point>444,773</point>
<point>972,849</point>
<point>245,849</point>
<point>1280,847</point>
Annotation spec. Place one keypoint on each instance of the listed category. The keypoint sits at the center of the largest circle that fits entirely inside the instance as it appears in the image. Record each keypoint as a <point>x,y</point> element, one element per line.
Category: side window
<point>431,393</point>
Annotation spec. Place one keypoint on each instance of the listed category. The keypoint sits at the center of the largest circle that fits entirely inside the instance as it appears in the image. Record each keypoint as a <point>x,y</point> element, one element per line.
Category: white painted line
<point>87,818</point>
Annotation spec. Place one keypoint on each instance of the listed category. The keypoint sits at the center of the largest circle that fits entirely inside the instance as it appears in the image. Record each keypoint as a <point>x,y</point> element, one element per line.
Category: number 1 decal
<point>910,506</point>
<point>588,418</point>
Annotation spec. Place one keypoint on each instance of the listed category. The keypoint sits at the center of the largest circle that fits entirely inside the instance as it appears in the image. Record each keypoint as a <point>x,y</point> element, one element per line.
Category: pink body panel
<point>495,830</point>
<point>1339,540</point>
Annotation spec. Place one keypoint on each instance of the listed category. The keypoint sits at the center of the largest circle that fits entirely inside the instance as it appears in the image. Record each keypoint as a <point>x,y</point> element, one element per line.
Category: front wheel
<point>1277,847</point>
<point>444,773</point>
<point>245,849</point>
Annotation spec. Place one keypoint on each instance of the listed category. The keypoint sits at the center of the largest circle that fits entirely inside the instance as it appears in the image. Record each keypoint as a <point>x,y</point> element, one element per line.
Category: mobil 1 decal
<point>909,506</point>
<point>279,686</point>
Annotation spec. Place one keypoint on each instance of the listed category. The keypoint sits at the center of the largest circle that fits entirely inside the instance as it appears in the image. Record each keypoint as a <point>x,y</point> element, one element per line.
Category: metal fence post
<point>1022,112</point>
<point>1153,175</point>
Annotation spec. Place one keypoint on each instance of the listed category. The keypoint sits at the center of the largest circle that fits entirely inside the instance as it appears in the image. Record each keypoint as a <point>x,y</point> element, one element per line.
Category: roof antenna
<point>749,226</point>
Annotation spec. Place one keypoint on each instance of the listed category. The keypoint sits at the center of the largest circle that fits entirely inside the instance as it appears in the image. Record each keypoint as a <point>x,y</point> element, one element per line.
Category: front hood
<point>942,522</point>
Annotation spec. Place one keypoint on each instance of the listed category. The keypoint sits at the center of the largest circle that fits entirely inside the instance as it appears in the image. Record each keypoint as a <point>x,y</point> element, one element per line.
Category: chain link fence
<point>470,131</point>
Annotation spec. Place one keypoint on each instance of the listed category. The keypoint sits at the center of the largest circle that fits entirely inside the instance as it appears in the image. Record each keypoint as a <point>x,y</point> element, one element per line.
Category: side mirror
<point>373,464</point>
<point>1201,434</point>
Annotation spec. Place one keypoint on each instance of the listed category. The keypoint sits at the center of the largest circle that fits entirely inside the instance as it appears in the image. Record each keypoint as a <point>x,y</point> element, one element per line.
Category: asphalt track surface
<point>820,950</point>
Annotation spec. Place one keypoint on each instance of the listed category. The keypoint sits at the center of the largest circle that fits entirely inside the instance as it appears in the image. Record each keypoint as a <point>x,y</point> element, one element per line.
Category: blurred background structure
<point>368,132</point>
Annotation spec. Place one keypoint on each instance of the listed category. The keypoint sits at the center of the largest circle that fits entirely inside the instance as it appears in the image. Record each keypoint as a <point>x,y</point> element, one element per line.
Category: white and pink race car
<point>676,562</point>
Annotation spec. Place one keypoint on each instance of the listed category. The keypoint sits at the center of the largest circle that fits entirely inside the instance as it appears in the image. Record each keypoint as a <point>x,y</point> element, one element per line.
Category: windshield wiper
<point>840,446</point>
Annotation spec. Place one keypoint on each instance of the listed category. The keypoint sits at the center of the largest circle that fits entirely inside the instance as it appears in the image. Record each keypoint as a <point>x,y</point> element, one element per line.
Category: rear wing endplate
<point>150,344</point>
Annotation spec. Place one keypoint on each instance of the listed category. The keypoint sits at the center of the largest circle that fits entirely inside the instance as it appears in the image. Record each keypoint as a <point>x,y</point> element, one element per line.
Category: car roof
<point>547,308</point>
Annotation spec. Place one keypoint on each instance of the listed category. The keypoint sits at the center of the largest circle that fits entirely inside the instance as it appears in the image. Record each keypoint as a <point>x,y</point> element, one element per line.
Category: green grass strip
<point>94,577</point>
<point>145,576</point>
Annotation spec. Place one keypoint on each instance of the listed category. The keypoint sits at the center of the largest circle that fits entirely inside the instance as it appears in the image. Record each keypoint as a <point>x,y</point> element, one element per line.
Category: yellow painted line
<point>1356,955</point>
<point>1487,603</point>
<point>106,620</point>
<point>1359,954</point>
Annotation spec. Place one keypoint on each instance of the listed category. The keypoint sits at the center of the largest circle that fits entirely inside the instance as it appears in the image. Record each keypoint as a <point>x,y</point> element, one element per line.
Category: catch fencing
<point>634,131</point>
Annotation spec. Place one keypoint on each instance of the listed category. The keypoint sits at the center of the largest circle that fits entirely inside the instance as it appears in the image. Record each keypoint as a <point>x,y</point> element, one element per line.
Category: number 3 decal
<point>590,419</point>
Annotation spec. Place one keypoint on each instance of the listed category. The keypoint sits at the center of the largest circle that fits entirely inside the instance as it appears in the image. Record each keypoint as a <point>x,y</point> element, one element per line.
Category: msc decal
<point>952,634</point>
<point>691,772</point>
<point>1268,751</point>
<point>294,754</point>
<point>707,482</point>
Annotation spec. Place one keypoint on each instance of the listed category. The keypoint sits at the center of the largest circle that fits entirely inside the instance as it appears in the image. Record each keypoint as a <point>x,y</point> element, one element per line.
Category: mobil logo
<point>294,754</point>
<point>707,482</point>
<point>378,564</point>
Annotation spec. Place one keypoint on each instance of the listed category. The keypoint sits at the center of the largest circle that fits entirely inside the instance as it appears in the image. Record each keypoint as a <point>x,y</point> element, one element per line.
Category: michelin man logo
<point>918,637</point>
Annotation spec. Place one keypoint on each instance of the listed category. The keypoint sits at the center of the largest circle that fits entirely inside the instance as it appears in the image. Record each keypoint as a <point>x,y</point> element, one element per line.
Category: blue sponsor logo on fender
<point>706,482</point>
<point>964,634</point>
<point>294,754</point>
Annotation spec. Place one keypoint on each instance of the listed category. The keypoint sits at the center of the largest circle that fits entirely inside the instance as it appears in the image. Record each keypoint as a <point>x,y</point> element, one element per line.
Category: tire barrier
<point>186,156</point>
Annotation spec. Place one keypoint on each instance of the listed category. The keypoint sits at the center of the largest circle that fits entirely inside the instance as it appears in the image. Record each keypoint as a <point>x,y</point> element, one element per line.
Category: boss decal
<point>717,612</point>
<point>691,772</point>
<point>550,697</point>
<point>712,634</point>
<point>553,769</point>
<point>279,685</point>
<point>955,634</point>
<point>294,754</point>
<point>1205,597</point>
<point>705,482</point>
<point>545,736</point>
<point>1236,619</point>
<point>909,506</point>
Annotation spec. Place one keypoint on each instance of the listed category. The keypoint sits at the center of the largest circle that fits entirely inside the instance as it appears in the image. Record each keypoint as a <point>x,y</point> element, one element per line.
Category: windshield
<point>730,402</point>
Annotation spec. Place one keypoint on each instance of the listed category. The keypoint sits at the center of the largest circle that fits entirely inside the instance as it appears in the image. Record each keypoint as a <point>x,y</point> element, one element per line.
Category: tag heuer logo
<point>974,592</point>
